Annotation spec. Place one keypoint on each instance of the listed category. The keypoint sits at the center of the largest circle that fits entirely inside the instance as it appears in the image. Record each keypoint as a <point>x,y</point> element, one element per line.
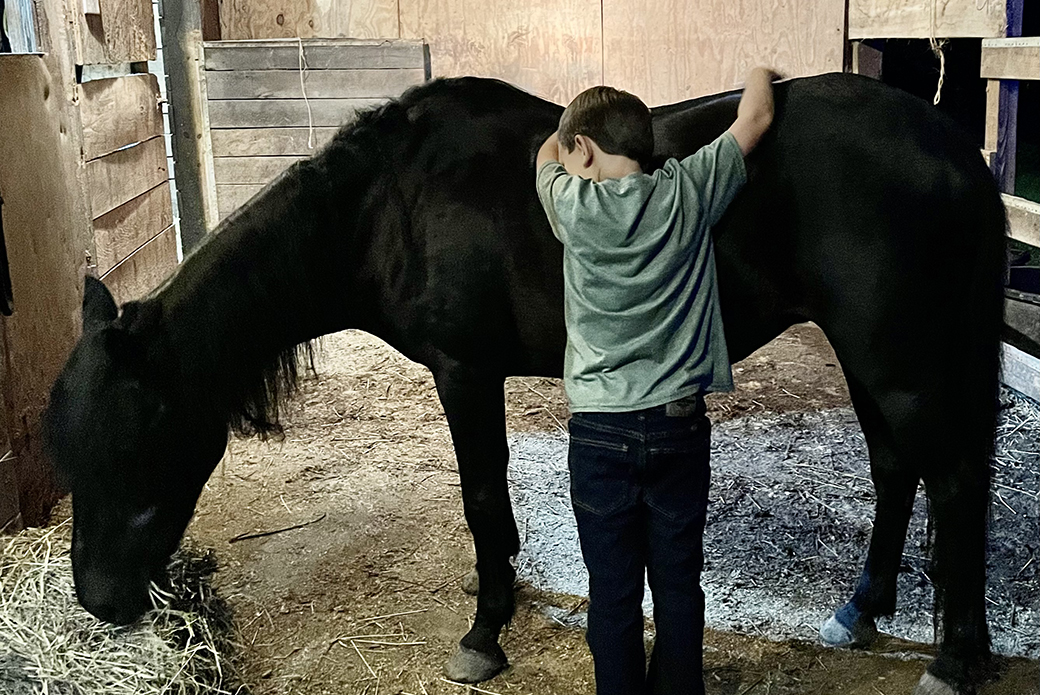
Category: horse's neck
<point>254,289</point>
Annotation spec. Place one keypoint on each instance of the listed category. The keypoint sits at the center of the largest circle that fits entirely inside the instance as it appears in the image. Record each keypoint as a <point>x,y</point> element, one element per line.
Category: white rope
<point>938,51</point>
<point>303,89</point>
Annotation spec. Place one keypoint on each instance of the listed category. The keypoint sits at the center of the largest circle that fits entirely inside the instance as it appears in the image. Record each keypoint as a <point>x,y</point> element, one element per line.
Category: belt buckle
<point>684,407</point>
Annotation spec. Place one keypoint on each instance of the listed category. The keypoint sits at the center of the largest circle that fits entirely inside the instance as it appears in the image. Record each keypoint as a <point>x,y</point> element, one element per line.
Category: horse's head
<point>133,453</point>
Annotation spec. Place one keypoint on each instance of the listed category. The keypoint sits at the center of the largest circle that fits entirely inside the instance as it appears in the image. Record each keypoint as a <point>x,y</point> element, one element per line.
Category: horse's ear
<point>99,309</point>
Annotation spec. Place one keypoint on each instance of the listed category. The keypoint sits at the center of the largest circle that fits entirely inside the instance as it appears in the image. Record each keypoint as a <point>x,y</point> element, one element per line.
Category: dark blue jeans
<point>639,488</point>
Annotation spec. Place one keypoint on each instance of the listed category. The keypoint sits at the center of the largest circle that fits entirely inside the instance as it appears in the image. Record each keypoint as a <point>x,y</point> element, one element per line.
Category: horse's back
<point>872,214</point>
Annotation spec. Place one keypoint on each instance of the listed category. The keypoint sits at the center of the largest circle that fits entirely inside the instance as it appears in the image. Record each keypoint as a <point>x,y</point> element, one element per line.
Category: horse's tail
<point>974,383</point>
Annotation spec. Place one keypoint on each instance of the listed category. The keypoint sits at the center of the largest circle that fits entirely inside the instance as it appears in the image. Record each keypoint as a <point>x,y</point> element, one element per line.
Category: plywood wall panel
<point>669,50</point>
<point>274,19</point>
<point>549,47</point>
<point>919,19</point>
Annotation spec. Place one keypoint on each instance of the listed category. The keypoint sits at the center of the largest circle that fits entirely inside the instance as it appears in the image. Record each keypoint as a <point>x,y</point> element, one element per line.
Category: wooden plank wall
<point>664,50</point>
<point>124,154</point>
<point>260,122</point>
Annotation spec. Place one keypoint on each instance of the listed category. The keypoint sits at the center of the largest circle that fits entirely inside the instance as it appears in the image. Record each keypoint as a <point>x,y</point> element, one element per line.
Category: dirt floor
<point>365,596</point>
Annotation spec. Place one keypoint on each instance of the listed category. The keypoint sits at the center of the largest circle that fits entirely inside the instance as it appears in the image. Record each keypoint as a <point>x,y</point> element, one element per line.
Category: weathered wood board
<point>119,112</point>
<point>123,32</point>
<point>267,113</point>
<point>250,169</point>
<point>144,270</point>
<point>251,142</point>
<point>1011,59</point>
<point>231,196</point>
<point>319,54</point>
<point>48,238</point>
<point>1020,371</point>
<point>315,84</point>
<point>125,174</point>
<point>1023,218</point>
<point>120,232</point>
<point>919,19</point>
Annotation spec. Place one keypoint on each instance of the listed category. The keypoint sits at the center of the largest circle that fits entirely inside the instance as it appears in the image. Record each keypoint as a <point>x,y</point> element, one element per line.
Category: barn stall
<point>362,590</point>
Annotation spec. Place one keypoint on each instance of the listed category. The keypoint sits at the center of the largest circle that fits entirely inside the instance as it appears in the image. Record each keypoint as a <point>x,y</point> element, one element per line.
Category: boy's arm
<point>755,112</point>
<point>549,151</point>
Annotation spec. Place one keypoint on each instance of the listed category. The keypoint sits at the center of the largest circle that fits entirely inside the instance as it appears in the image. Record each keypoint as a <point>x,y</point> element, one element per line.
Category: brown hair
<point>617,121</point>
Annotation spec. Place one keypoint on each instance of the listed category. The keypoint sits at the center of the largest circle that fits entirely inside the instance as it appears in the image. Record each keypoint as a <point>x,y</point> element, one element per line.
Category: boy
<point>644,344</point>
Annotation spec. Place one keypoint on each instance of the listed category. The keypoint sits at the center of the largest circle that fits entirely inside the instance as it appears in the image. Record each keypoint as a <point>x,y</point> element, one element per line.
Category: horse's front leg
<point>475,407</point>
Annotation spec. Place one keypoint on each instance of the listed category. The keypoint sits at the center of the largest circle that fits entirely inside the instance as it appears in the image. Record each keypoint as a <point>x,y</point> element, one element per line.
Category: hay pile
<point>50,645</point>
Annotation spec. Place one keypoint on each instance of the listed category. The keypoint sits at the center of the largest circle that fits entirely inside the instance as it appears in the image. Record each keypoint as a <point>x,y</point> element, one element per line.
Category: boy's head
<point>614,122</point>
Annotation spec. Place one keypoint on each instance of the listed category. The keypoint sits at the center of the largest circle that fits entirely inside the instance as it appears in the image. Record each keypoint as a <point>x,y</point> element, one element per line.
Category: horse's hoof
<point>471,582</point>
<point>861,631</point>
<point>930,685</point>
<point>470,666</point>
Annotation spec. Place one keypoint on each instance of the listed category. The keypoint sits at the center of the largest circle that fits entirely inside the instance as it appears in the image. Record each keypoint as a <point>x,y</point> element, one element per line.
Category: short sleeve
<point>558,193</point>
<point>719,173</point>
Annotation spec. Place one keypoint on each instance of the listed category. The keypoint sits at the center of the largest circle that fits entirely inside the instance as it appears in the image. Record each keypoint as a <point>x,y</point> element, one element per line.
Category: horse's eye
<point>141,519</point>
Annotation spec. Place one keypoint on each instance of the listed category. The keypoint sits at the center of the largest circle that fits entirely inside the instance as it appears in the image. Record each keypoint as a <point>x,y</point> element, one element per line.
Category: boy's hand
<point>549,151</point>
<point>755,112</point>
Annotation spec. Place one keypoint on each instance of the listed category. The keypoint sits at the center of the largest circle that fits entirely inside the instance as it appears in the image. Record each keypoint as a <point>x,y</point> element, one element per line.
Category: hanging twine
<point>937,49</point>
<point>303,89</point>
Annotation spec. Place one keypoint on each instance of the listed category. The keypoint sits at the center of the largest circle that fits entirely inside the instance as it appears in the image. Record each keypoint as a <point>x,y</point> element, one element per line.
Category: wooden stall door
<point>124,158</point>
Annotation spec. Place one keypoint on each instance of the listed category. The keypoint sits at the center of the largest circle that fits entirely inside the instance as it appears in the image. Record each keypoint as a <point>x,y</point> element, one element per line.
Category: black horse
<point>866,211</point>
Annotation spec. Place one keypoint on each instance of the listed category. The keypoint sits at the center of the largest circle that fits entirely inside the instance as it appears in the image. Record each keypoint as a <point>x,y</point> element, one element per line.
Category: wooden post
<point>182,42</point>
<point>1007,112</point>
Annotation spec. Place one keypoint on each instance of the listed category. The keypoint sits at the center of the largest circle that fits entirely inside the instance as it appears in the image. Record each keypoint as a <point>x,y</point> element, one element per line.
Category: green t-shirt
<point>641,301</point>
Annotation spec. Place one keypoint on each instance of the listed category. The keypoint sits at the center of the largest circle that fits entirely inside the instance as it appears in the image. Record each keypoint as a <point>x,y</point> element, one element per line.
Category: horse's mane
<point>323,195</point>
<point>307,207</point>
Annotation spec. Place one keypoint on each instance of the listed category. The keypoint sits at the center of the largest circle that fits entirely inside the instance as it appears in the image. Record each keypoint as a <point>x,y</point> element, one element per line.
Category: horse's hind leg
<point>958,494</point>
<point>925,431</point>
<point>895,483</point>
<point>475,408</point>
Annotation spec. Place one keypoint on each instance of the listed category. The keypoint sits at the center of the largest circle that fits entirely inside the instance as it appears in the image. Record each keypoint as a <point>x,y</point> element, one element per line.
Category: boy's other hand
<point>755,112</point>
<point>549,151</point>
